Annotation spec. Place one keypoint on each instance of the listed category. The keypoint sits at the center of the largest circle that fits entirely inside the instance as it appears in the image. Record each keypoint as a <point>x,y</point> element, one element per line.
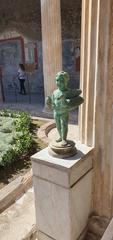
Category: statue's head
<point>62,79</point>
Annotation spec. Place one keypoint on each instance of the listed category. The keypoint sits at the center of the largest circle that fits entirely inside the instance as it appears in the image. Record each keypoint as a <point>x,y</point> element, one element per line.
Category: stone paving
<point>18,221</point>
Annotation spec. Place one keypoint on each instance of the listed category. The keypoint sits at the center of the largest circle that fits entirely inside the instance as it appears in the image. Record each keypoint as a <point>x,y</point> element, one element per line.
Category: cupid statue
<point>61,102</point>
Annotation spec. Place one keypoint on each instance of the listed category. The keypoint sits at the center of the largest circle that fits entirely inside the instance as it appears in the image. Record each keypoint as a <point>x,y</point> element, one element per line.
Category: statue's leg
<point>58,125</point>
<point>64,127</point>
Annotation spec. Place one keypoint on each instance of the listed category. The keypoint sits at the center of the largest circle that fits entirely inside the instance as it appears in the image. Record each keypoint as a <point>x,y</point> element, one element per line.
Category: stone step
<point>108,235</point>
<point>18,221</point>
<point>96,228</point>
<point>14,190</point>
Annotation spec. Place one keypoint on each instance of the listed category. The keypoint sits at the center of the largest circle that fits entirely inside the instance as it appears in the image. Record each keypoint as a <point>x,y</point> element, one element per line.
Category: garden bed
<point>18,141</point>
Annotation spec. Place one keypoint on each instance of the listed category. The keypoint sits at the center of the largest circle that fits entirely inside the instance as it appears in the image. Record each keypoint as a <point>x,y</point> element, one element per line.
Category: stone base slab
<point>42,236</point>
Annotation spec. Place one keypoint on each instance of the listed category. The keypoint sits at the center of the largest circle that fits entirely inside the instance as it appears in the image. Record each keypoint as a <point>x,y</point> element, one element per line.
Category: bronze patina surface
<point>61,102</point>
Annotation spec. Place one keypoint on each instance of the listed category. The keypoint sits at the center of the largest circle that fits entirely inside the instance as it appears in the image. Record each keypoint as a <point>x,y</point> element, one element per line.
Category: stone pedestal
<point>62,194</point>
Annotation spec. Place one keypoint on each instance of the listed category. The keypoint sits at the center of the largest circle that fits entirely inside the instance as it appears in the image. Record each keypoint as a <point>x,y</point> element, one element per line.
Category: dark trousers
<point>22,87</point>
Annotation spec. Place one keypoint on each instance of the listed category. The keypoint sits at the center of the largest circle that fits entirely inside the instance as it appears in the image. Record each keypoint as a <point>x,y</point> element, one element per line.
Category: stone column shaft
<point>83,68</point>
<point>1,98</point>
<point>96,115</point>
<point>51,41</point>
<point>103,154</point>
<point>88,59</point>
<point>1,88</point>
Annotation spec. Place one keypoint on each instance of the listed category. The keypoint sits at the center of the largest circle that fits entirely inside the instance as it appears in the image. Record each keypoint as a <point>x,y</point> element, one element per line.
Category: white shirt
<point>21,74</point>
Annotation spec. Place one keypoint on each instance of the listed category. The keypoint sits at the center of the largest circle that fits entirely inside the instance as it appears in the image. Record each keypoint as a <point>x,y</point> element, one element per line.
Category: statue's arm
<point>74,102</point>
<point>49,102</point>
<point>77,92</point>
<point>73,93</point>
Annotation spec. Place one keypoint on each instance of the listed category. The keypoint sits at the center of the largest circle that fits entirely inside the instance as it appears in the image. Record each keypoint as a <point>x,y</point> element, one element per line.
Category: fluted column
<point>96,114</point>
<point>51,42</point>
<point>103,152</point>
<point>88,70</point>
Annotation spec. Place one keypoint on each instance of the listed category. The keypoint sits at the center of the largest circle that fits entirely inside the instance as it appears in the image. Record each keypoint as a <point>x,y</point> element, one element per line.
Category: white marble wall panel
<point>63,194</point>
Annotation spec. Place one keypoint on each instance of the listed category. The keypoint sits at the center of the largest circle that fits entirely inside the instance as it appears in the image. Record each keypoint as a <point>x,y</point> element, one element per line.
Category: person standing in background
<point>77,57</point>
<point>22,77</point>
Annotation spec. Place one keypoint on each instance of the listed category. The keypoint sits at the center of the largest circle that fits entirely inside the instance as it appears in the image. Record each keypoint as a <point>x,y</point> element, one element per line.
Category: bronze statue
<point>62,101</point>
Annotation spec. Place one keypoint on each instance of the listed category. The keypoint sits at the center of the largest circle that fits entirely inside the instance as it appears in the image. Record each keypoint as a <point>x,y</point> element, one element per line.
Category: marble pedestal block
<point>62,194</point>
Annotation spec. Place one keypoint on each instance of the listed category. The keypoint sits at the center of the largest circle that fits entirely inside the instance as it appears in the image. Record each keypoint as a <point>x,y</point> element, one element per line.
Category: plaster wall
<point>22,18</point>
<point>13,50</point>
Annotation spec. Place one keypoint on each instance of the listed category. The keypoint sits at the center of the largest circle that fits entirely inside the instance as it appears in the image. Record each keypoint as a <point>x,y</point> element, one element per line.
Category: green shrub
<point>15,137</point>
